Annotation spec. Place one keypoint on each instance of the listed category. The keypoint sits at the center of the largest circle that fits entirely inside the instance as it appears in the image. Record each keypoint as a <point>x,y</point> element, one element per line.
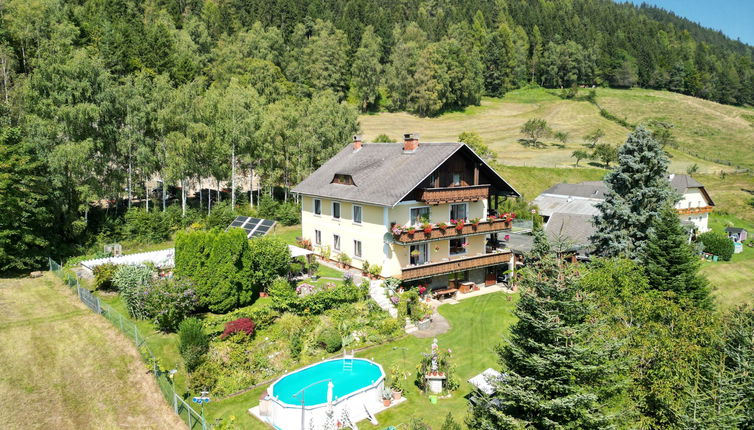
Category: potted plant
<point>415,253</point>
<point>427,227</point>
<point>387,395</point>
<point>459,225</point>
<point>396,382</point>
<point>475,222</point>
<point>410,230</point>
<point>442,226</point>
<point>365,268</point>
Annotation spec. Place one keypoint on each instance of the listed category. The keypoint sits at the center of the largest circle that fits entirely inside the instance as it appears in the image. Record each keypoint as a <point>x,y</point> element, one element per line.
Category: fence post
<point>189,416</point>
<point>175,401</point>
<point>99,307</point>
<point>120,318</point>
<point>136,336</point>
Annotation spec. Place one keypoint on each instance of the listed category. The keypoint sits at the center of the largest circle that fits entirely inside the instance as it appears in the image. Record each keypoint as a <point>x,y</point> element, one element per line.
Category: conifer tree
<point>670,263</point>
<point>637,191</point>
<point>553,376</point>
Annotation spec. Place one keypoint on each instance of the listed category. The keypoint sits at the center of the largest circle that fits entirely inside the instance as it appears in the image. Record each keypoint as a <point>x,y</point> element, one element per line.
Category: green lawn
<point>287,233</point>
<point>478,326</point>
<point>733,280</point>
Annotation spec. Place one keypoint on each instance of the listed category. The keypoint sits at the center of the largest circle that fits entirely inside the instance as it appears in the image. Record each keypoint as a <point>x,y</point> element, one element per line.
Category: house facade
<point>391,205</point>
<point>568,209</point>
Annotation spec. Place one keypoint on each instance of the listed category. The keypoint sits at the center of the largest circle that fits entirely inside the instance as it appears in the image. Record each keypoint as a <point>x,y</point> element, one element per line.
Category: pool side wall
<point>288,417</point>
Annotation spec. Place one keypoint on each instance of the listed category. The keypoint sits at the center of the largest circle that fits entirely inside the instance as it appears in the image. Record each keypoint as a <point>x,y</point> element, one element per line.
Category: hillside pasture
<point>64,367</point>
<point>498,121</point>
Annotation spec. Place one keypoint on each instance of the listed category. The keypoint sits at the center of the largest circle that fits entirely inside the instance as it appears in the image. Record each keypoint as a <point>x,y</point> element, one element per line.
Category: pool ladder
<point>347,362</point>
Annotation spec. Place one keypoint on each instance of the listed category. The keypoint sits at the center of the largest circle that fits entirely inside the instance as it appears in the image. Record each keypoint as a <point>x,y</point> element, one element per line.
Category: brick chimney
<point>410,142</point>
<point>356,142</point>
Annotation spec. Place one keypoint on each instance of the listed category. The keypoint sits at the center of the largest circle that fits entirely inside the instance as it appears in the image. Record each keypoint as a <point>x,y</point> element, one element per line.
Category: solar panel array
<point>254,227</point>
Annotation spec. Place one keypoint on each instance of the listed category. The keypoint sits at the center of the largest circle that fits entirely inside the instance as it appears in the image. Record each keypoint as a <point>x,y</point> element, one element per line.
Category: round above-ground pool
<point>356,390</point>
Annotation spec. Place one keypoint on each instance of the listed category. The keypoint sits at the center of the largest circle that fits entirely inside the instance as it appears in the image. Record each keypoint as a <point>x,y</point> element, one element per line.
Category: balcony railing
<point>457,265</point>
<point>697,210</point>
<point>450,231</point>
<point>438,196</point>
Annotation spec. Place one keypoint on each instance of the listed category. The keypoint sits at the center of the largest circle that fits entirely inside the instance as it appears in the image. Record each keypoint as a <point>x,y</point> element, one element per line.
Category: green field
<point>732,279</point>
<point>710,130</point>
<point>64,367</point>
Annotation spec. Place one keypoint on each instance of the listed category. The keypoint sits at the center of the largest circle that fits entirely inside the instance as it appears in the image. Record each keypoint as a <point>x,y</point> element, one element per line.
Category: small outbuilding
<point>736,234</point>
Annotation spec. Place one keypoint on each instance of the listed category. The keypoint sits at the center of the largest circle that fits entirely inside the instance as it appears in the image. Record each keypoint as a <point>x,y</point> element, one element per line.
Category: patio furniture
<point>446,293</point>
<point>466,287</point>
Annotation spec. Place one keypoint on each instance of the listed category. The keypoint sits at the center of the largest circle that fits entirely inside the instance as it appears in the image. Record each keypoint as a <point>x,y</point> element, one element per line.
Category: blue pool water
<point>363,374</point>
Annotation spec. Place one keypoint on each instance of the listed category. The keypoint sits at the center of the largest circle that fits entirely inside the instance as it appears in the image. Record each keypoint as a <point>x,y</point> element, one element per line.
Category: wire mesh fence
<point>191,417</point>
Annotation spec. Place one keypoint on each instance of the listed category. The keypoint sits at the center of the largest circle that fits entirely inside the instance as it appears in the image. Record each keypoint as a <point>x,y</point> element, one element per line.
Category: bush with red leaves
<point>241,325</point>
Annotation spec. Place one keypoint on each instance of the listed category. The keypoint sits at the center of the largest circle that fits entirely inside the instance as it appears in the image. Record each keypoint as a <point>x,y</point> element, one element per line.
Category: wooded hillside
<point>98,97</point>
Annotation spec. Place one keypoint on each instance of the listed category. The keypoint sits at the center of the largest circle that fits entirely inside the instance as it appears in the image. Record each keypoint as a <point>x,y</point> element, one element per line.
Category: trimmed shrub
<point>267,207</point>
<point>241,325</point>
<point>193,343</point>
<point>132,283</point>
<point>220,216</point>
<point>330,340</point>
<point>229,270</point>
<point>169,302</point>
<point>103,276</point>
<point>717,243</point>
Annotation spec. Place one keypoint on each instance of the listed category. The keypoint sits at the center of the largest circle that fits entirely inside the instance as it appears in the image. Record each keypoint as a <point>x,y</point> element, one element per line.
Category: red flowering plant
<point>410,229</point>
<point>427,227</point>
<point>442,226</point>
<point>458,223</point>
<point>475,222</point>
<point>241,325</point>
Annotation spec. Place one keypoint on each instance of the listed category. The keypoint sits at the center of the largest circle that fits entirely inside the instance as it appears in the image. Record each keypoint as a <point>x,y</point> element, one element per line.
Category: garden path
<point>439,325</point>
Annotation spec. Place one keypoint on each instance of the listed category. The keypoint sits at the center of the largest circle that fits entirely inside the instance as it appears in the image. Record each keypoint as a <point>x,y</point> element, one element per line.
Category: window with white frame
<point>357,248</point>
<point>419,254</point>
<point>458,211</point>
<point>357,214</point>
<point>456,179</point>
<point>336,210</point>
<point>419,215</point>
<point>317,207</point>
<point>317,237</point>
<point>458,246</point>
<point>336,242</point>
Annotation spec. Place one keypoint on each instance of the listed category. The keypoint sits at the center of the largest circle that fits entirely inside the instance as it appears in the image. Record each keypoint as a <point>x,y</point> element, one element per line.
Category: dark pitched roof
<point>383,174</point>
<point>573,227</point>
<point>596,189</point>
<point>736,230</point>
<point>592,189</point>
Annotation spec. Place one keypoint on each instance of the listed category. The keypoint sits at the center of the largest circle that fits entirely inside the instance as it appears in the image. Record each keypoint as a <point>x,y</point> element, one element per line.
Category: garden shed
<point>736,234</point>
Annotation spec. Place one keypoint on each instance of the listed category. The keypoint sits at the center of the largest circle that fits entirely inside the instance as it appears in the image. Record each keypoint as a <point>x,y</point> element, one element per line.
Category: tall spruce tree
<point>637,191</point>
<point>670,263</point>
<point>554,377</point>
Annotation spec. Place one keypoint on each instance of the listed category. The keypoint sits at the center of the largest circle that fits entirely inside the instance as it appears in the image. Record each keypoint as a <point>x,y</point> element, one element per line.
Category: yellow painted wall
<point>371,232</point>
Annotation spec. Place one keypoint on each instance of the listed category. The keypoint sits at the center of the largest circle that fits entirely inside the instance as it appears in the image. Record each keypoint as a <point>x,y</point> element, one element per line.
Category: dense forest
<point>97,97</point>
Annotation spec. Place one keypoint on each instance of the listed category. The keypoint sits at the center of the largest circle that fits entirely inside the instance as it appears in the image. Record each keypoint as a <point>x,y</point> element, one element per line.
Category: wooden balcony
<point>456,265</point>
<point>438,196</point>
<point>692,211</point>
<point>450,232</point>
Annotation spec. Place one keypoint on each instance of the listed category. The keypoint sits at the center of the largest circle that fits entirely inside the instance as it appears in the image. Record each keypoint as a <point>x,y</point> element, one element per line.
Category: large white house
<point>374,201</point>
<point>568,209</point>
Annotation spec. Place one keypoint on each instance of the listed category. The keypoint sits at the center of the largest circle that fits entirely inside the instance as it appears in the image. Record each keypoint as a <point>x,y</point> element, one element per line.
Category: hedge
<point>228,269</point>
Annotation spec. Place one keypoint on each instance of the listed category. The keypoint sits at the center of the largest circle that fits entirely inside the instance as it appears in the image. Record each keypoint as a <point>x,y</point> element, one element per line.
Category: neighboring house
<point>737,234</point>
<point>361,201</point>
<point>568,209</point>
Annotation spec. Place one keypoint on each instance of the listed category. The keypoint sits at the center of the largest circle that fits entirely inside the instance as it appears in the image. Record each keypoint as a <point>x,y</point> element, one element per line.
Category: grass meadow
<point>64,367</point>
<point>705,130</point>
